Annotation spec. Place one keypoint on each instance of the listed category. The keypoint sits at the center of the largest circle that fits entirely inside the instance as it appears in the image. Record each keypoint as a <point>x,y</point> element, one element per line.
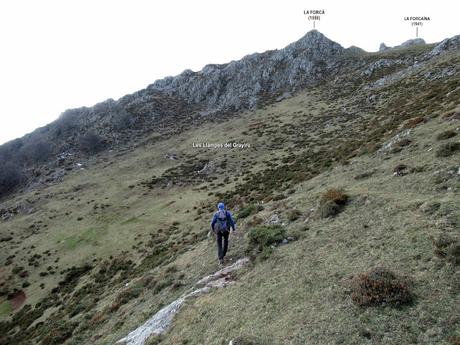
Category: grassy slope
<point>297,293</point>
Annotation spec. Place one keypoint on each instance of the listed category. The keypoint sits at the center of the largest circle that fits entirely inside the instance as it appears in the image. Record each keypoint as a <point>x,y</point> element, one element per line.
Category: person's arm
<point>213,221</point>
<point>232,222</point>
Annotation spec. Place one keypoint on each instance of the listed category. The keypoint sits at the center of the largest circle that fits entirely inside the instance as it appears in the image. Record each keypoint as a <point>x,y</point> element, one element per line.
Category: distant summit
<point>411,42</point>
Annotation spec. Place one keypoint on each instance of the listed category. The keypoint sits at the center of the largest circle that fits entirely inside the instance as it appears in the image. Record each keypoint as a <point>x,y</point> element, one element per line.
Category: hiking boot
<point>221,262</point>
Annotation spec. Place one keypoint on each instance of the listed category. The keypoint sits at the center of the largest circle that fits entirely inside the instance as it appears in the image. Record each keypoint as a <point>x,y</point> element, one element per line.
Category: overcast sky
<point>60,54</point>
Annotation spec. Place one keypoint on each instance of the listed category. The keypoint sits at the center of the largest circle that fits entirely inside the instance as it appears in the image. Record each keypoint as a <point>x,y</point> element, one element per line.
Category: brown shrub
<point>411,123</point>
<point>331,203</point>
<point>335,196</point>
<point>254,221</point>
<point>380,286</point>
<point>454,340</point>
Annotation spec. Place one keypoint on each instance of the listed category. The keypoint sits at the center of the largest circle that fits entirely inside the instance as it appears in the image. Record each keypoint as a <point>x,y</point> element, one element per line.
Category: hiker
<point>221,223</point>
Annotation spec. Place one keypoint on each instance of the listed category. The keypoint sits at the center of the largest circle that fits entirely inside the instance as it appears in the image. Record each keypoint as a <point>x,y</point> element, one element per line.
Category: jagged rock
<point>383,47</point>
<point>396,140</point>
<point>274,219</point>
<point>448,44</point>
<point>378,65</point>
<point>242,84</point>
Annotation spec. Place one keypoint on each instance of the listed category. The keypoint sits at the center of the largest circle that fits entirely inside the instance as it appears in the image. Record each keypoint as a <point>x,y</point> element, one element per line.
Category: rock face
<point>448,44</point>
<point>243,84</point>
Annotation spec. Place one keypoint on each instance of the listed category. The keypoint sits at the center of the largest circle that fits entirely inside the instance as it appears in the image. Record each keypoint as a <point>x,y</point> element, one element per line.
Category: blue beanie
<point>220,205</point>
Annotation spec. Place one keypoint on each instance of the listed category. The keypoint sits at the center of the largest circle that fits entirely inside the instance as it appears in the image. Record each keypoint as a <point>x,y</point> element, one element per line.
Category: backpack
<point>221,222</point>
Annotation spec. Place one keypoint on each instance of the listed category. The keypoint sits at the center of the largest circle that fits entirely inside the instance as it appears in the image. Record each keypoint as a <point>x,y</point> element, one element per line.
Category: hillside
<point>89,256</point>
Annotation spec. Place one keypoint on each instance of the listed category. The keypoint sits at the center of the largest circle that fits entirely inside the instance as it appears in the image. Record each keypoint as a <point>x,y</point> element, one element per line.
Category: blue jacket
<point>229,219</point>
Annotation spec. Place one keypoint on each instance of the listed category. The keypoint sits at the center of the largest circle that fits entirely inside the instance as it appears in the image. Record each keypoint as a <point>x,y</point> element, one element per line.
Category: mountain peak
<point>314,39</point>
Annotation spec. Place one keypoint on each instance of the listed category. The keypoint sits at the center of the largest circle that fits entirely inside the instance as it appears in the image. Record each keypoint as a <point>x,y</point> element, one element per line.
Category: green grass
<point>5,308</point>
<point>87,237</point>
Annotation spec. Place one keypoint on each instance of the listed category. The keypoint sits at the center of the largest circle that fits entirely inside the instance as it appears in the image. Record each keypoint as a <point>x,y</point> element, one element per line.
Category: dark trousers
<point>222,250</point>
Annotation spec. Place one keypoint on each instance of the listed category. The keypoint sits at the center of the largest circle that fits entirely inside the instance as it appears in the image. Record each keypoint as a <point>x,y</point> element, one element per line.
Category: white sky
<point>60,54</point>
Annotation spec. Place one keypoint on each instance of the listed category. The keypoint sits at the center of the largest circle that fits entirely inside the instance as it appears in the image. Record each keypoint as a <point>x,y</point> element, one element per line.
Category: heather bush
<point>380,287</point>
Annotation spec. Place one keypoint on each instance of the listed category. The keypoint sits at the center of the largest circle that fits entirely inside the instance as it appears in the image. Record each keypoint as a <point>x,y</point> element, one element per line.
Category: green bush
<point>264,236</point>
<point>246,211</point>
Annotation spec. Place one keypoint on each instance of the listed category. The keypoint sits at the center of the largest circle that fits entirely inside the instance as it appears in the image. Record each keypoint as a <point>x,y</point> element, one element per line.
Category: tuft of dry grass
<point>334,195</point>
<point>331,203</point>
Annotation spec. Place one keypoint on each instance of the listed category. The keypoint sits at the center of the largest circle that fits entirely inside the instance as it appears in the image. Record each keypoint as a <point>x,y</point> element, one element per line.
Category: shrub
<point>411,123</point>
<point>399,145</point>
<point>294,215</point>
<point>254,221</point>
<point>123,121</point>
<point>279,197</point>
<point>91,143</point>
<point>448,149</point>
<point>364,175</point>
<point>454,340</point>
<point>331,203</point>
<point>446,247</point>
<point>36,151</point>
<point>453,253</point>
<point>154,339</point>
<point>67,121</point>
<point>446,135</point>
<point>328,209</point>
<point>335,196</point>
<point>10,177</point>
<point>380,286</point>
<point>264,236</point>
<point>246,211</point>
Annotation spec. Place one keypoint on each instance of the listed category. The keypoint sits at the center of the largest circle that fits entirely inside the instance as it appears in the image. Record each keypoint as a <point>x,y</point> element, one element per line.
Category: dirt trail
<point>160,322</point>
